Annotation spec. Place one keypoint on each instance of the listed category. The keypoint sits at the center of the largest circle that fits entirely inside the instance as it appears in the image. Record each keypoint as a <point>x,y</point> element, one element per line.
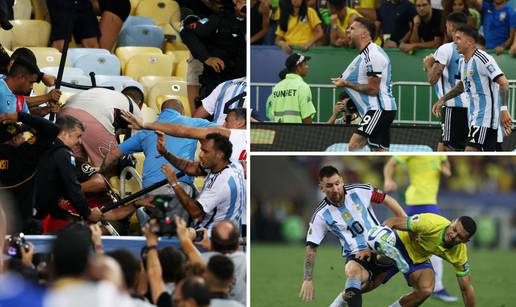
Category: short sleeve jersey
<point>372,61</point>
<point>350,222</point>
<point>226,96</point>
<point>497,23</point>
<point>425,237</point>
<point>223,196</point>
<point>300,31</point>
<point>448,56</point>
<point>7,98</point>
<point>478,76</point>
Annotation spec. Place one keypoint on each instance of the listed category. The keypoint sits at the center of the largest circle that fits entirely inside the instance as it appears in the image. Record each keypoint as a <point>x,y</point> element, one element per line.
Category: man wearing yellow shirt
<point>420,236</point>
<point>341,17</point>
<point>421,197</point>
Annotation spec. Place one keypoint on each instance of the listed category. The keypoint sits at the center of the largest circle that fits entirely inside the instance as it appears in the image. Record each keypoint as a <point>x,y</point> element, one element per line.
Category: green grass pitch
<point>277,274</point>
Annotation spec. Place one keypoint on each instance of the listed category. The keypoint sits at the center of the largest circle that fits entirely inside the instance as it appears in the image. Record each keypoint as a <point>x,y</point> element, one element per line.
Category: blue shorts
<point>417,209</point>
<point>412,266</point>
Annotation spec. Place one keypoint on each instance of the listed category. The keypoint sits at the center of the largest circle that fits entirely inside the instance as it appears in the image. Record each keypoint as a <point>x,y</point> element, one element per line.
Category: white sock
<point>338,301</point>
<point>437,263</point>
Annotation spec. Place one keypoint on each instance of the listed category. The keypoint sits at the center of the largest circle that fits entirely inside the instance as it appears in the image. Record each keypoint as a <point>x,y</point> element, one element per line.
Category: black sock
<point>353,297</point>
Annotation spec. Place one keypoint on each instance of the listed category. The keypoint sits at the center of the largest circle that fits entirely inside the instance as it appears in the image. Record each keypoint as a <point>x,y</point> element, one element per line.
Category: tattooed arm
<point>307,289</point>
<point>454,92</point>
<point>505,115</point>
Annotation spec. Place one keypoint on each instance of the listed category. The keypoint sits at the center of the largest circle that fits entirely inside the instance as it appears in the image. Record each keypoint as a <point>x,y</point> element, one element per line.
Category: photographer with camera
<point>345,112</point>
<point>223,194</point>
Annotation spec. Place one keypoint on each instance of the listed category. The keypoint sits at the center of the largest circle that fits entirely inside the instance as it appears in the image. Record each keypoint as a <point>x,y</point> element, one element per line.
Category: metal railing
<point>400,88</point>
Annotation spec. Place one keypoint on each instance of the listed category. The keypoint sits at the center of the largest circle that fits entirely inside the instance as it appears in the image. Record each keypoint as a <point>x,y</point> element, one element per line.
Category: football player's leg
<point>422,282</point>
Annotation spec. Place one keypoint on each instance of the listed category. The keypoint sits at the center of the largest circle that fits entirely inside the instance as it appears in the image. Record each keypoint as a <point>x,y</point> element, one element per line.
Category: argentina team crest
<point>346,216</point>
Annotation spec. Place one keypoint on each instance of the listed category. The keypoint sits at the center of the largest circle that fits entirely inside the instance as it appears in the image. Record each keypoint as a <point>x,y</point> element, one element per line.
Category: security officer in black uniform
<point>19,159</point>
<point>56,178</point>
<point>219,42</point>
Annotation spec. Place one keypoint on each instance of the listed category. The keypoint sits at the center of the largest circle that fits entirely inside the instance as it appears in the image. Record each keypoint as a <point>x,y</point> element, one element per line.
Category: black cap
<point>295,59</point>
<point>8,131</point>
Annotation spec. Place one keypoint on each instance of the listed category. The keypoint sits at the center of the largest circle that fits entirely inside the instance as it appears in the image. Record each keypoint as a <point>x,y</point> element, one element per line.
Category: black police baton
<point>142,192</point>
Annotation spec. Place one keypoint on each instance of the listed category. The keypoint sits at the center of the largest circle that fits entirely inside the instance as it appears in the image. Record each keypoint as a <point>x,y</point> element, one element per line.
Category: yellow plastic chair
<point>6,38</point>
<point>149,114</point>
<point>161,11</point>
<point>149,81</point>
<point>40,10</point>
<point>47,56</point>
<point>182,57</point>
<point>30,33</point>
<point>149,64</point>
<point>125,53</point>
<point>184,101</point>
<point>134,5</point>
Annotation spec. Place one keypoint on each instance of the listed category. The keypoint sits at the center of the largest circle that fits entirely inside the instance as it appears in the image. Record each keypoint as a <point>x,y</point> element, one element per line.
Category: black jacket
<point>221,35</point>
<point>18,164</point>
<point>56,178</point>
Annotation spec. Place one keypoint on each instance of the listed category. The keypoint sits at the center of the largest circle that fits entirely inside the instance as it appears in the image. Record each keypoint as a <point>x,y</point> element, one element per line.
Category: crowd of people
<point>61,177</point>
<point>403,24</point>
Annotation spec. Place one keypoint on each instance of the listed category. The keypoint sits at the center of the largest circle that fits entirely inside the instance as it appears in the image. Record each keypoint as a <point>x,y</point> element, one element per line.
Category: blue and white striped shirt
<point>215,103</point>
<point>372,61</point>
<point>350,223</point>
<point>478,75</point>
<point>448,56</point>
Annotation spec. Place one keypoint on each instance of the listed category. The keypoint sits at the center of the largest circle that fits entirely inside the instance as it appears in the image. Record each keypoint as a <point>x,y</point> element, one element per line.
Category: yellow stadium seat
<point>47,56</point>
<point>134,4</point>
<point>6,38</point>
<point>182,57</point>
<point>39,89</point>
<point>184,101</point>
<point>162,11</point>
<point>177,43</point>
<point>149,81</point>
<point>125,53</point>
<point>64,97</point>
<point>149,64</point>
<point>22,9</point>
<point>149,114</point>
<point>40,10</point>
<point>30,33</point>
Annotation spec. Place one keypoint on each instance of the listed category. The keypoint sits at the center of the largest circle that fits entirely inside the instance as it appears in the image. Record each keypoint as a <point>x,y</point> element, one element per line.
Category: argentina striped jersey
<point>350,223</point>
<point>223,196</point>
<point>478,75</point>
<point>448,56</point>
<point>228,95</point>
<point>372,61</point>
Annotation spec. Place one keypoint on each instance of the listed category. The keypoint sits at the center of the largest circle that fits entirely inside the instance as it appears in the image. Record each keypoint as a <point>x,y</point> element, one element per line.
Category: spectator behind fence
<point>472,15</point>
<point>394,20</point>
<point>344,111</point>
<point>223,194</point>
<point>291,99</point>
<point>499,24</point>
<point>219,42</point>
<point>225,240</point>
<point>97,109</point>
<point>426,29</point>
<point>260,20</point>
<point>56,177</point>
<point>19,160</point>
<point>299,26</point>
<point>77,14</point>
<point>341,17</point>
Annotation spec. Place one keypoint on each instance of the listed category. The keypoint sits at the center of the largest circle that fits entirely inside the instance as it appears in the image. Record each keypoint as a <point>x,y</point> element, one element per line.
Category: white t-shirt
<point>86,294</point>
<point>216,102</point>
<point>238,139</point>
<point>223,196</point>
<point>100,103</point>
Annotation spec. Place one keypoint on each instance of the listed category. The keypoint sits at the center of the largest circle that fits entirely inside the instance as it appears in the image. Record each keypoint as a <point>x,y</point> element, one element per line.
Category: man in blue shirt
<point>19,82</point>
<point>145,140</point>
<point>499,21</point>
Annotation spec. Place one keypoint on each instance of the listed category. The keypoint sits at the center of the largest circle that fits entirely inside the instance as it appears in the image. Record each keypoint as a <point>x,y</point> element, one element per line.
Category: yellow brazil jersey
<point>345,23</point>
<point>426,238</point>
<point>366,4</point>
<point>300,31</point>
<point>425,175</point>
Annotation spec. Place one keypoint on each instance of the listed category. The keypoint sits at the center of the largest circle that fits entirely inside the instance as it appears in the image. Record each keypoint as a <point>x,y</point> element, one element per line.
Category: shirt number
<point>355,229</point>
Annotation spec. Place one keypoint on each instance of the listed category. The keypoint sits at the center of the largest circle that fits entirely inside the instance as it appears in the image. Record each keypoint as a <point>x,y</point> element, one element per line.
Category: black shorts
<point>85,23</point>
<point>454,123</point>
<point>374,266</point>
<point>483,138</point>
<point>375,126</point>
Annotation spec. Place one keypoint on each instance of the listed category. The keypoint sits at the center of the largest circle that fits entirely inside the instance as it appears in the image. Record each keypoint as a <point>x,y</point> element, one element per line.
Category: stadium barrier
<point>325,137</point>
<point>414,99</point>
